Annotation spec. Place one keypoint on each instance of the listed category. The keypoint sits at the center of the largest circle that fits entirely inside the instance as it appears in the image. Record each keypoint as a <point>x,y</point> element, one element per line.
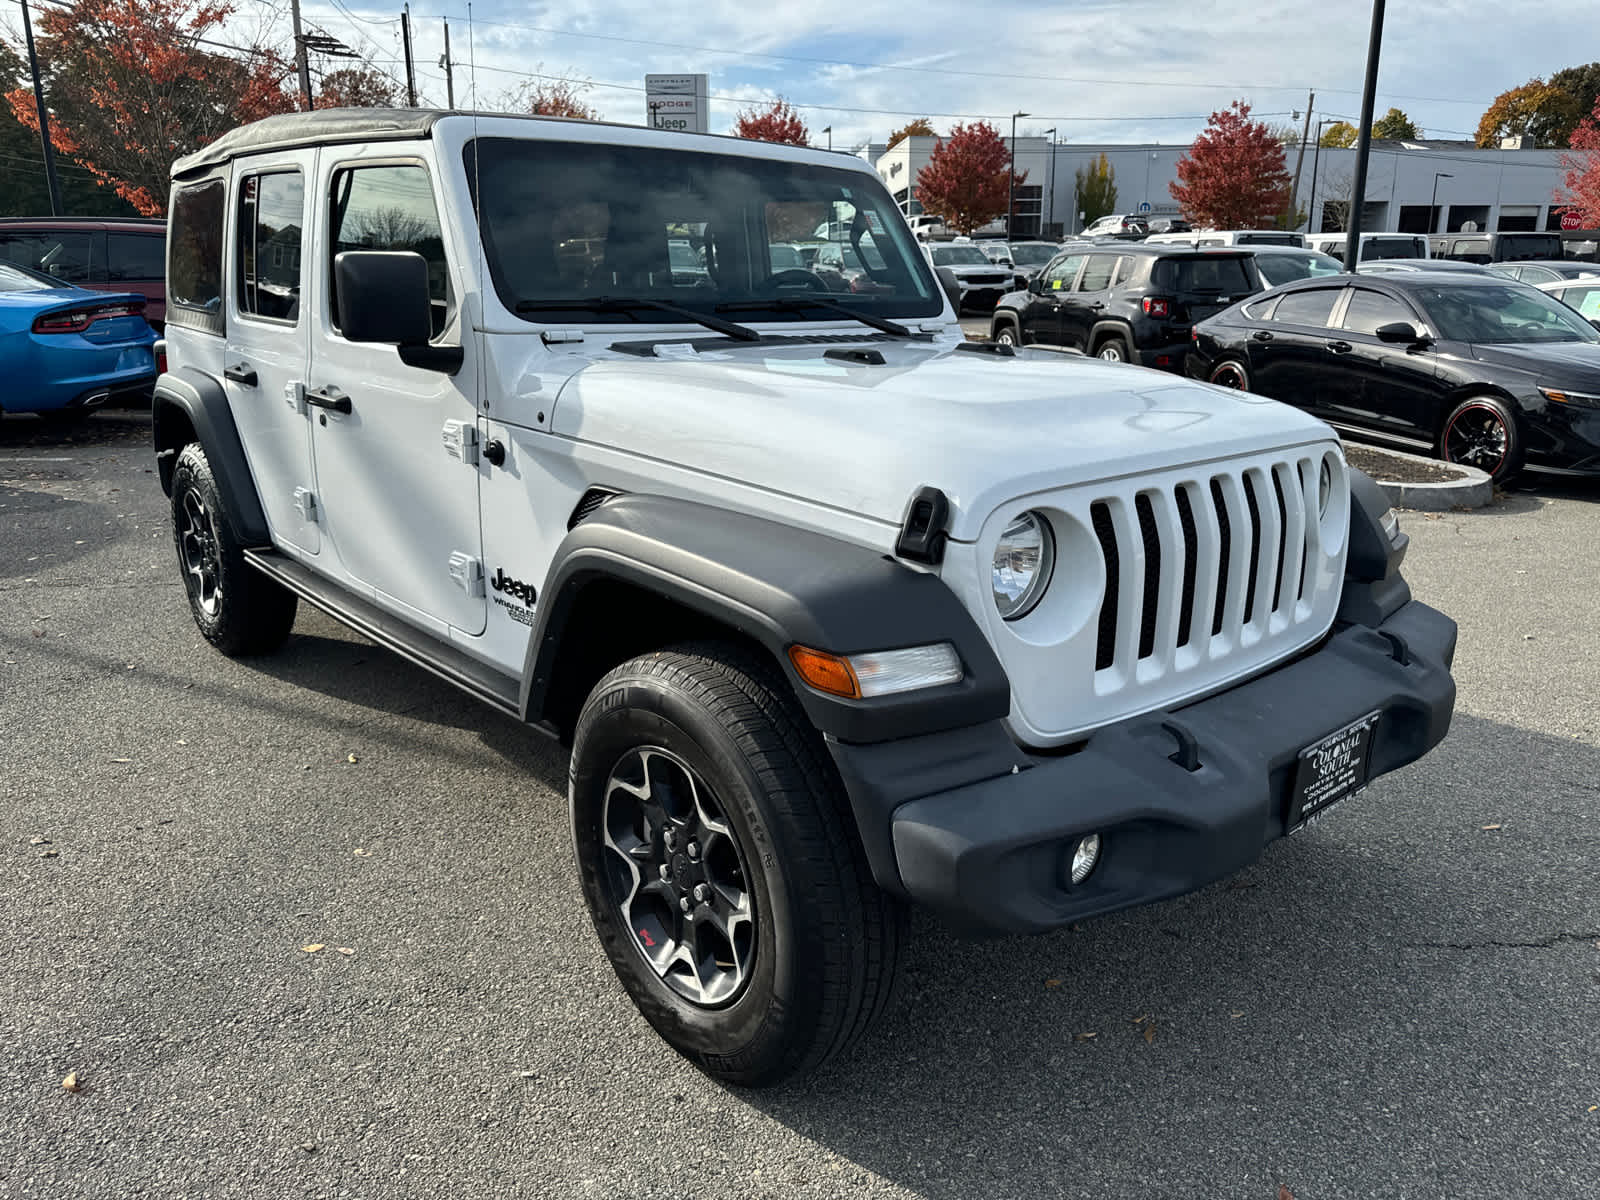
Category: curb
<point>1474,490</point>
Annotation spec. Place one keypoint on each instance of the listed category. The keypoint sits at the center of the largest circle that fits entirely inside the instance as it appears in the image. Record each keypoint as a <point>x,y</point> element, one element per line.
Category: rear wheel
<point>1005,334</point>
<point>1113,348</point>
<point>238,610</point>
<point>1482,432</point>
<point>1230,373</point>
<point>721,867</point>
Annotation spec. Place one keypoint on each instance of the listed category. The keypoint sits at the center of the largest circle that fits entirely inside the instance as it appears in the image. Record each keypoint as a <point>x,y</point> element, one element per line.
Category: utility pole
<point>1299,159</point>
<point>44,118</point>
<point>1358,190</point>
<point>1011,177</point>
<point>1050,224</point>
<point>411,77</point>
<point>449,79</point>
<point>300,65</point>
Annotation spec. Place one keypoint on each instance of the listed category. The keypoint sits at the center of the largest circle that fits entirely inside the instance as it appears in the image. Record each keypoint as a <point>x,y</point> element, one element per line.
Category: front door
<point>268,343</point>
<point>1041,318</point>
<point>1085,304</point>
<point>400,508</point>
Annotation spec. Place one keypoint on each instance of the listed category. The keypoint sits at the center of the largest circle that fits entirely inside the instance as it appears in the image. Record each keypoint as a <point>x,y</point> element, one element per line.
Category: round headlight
<point>1324,487</point>
<point>1023,560</point>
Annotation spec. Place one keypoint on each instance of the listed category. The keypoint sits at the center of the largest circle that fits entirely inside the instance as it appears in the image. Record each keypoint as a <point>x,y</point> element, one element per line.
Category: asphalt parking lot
<point>1398,1003</point>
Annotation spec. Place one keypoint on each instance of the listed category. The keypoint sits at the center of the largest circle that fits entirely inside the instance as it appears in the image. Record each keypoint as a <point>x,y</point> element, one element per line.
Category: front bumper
<point>990,854</point>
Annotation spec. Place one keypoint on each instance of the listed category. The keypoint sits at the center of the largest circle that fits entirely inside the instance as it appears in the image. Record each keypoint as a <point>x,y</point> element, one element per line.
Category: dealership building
<point>1422,186</point>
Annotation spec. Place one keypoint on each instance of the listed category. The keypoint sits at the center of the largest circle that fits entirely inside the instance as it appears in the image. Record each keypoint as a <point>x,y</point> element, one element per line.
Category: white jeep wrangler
<point>836,610</point>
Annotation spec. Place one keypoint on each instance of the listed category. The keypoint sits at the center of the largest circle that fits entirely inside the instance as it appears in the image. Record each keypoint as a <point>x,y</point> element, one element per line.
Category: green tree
<point>1536,109</point>
<point>1339,137</point>
<point>1395,124</point>
<point>1582,84</point>
<point>1096,185</point>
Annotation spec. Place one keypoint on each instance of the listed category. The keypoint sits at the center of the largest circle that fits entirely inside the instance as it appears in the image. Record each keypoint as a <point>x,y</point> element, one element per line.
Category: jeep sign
<point>676,102</point>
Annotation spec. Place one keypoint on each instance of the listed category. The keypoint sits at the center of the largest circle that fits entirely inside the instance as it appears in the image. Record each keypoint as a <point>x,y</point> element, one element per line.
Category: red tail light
<point>1157,306</point>
<point>76,320</point>
<point>161,356</point>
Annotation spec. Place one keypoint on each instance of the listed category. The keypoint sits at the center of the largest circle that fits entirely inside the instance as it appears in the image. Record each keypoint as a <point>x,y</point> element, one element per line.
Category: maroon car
<point>104,254</point>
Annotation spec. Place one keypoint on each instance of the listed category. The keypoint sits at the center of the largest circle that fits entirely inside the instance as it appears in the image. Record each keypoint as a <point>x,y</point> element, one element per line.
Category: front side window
<point>390,208</point>
<point>68,257</point>
<point>1312,307</point>
<point>1058,276</point>
<point>271,213</point>
<point>569,225</point>
<point>1370,311</point>
<point>194,264</point>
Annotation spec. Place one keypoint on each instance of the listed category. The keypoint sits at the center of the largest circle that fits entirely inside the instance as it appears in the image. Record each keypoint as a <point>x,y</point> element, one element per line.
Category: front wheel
<point>1481,432</point>
<point>1005,334</point>
<point>721,867</point>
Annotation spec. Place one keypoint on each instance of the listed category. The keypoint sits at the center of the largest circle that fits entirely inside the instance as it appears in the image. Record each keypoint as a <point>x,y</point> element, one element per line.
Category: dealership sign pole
<point>677,102</point>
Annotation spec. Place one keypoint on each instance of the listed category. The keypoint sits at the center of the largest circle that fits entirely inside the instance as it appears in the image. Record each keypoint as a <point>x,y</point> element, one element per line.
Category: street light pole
<point>828,129</point>
<point>1051,134</point>
<point>1358,189</point>
<point>1316,161</point>
<point>1011,177</point>
<point>1433,204</point>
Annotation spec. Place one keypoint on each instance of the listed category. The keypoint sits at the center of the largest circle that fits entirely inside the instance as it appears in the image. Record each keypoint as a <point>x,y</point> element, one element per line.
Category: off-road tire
<point>237,609</point>
<point>1006,333</point>
<point>826,938</point>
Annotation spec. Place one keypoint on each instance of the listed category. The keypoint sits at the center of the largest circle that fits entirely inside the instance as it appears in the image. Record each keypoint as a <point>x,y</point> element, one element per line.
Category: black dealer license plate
<point>1330,770</point>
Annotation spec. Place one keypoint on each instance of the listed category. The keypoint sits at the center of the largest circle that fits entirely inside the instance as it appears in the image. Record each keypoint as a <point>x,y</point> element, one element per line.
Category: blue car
<point>65,350</point>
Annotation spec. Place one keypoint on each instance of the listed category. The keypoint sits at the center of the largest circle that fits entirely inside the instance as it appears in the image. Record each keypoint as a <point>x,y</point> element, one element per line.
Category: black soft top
<point>310,128</point>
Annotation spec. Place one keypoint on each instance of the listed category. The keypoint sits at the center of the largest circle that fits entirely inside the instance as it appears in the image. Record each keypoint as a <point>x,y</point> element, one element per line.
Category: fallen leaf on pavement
<point>1141,1020</point>
<point>49,854</point>
<point>39,841</point>
<point>1236,1015</point>
<point>1284,1193</point>
<point>352,758</point>
<point>71,1082</point>
<point>122,760</point>
<point>314,947</point>
<point>361,852</point>
<point>345,950</point>
<point>1488,827</point>
<point>1149,1034</point>
<point>1052,983</point>
<point>1084,1037</point>
<point>1592,1107</point>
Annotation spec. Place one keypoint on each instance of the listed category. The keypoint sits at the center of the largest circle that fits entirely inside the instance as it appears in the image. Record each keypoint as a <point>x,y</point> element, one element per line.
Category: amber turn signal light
<point>826,672</point>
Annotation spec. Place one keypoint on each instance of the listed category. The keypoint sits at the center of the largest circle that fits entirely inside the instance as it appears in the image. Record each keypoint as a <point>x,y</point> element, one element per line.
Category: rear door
<point>268,345</point>
<point>136,262</point>
<point>396,483</point>
<point>1380,385</point>
<point>1289,358</point>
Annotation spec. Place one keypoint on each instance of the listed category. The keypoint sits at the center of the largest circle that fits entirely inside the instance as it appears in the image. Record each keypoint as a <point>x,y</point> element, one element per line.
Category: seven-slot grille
<point>1203,567</point>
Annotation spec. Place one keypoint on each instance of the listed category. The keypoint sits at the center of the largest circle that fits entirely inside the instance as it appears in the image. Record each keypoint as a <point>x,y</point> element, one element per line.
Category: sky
<point>1094,70</point>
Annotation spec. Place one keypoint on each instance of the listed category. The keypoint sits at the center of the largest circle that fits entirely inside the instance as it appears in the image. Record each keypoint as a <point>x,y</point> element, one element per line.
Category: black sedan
<point>1476,369</point>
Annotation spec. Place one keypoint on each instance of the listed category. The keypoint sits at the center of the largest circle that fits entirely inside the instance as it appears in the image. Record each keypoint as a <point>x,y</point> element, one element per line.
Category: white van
<point>1230,237</point>
<point>1373,245</point>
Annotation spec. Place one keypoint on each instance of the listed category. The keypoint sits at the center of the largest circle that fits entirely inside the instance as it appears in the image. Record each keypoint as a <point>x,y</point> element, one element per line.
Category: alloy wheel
<point>676,874</point>
<point>202,559</point>
<point>1478,437</point>
<point>1229,375</point>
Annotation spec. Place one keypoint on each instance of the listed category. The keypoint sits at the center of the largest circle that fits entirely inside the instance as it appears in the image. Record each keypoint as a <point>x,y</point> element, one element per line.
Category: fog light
<point>1084,857</point>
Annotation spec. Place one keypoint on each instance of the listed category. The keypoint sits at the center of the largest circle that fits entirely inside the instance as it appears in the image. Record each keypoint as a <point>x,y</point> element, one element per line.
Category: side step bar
<point>390,632</point>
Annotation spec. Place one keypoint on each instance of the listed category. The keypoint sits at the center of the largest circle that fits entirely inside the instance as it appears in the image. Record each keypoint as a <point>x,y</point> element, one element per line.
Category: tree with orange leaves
<point>131,87</point>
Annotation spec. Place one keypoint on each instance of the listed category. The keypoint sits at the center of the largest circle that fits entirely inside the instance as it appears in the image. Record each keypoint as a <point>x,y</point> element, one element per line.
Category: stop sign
<point>1571,220</point>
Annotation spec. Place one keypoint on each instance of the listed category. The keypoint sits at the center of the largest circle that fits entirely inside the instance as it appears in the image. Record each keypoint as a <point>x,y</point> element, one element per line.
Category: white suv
<point>835,610</point>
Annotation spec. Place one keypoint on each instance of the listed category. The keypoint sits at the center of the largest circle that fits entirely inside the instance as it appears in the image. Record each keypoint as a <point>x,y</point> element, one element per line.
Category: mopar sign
<point>676,102</point>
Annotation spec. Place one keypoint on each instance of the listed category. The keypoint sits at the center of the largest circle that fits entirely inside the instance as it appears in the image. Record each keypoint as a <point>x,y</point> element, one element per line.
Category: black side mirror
<point>1401,333</point>
<point>1595,323</point>
<point>952,289</point>
<point>1036,284</point>
<point>383,297</point>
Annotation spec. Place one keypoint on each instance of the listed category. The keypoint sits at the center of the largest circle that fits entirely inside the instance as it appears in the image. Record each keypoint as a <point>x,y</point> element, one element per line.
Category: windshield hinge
<point>467,571</point>
<point>554,337</point>
<point>461,440</point>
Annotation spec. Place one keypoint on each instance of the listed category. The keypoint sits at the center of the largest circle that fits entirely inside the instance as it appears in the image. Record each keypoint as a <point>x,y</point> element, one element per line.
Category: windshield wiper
<point>796,303</point>
<point>630,304</point>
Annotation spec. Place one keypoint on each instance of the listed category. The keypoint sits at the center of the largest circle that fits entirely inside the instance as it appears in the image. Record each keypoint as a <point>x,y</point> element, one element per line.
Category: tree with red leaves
<point>1581,190</point>
<point>778,122</point>
<point>1233,176</point>
<point>555,98</point>
<point>965,179</point>
<point>358,87</point>
<point>131,88</point>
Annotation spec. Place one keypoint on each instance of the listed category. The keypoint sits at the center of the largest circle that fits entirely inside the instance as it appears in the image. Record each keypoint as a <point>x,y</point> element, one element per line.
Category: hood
<point>862,438</point>
<point>1545,358</point>
<point>987,268</point>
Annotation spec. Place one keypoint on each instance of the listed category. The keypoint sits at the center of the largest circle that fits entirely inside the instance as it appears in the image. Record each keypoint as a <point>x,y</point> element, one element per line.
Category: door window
<point>271,212</point>
<point>194,279</point>
<point>1058,276</point>
<point>136,257</point>
<point>64,256</point>
<point>390,208</point>
<point>1370,311</point>
<point>1312,307</point>
<point>1097,273</point>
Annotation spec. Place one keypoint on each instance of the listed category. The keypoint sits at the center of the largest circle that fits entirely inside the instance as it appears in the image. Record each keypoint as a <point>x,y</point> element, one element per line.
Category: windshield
<point>1032,253</point>
<point>579,221</point>
<point>959,256</point>
<point>1506,313</point>
<point>1284,268</point>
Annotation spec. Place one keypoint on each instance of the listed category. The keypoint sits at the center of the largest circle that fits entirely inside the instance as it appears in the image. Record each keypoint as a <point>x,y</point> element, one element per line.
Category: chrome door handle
<point>329,397</point>
<point>241,373</point>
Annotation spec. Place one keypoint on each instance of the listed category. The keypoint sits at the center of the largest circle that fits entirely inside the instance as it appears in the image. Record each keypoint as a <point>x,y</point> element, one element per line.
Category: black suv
<point>1131,303</point>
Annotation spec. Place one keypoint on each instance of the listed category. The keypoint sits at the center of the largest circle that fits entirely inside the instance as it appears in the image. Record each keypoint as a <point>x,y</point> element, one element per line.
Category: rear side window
<point>1470,249</point>
<point>1585,299</point>
<point>1529,245</point>
<point>271,213</point>
<point>1312,307</point>
<point>1097,273</point>
<point>135,257</point>
<point>1379,248</point>
<point>194,266</point>
<point>1211,275</point>
<point>390,208</point>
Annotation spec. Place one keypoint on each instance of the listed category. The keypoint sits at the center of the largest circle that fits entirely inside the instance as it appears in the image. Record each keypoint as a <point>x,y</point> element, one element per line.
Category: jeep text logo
<point>525,592</point>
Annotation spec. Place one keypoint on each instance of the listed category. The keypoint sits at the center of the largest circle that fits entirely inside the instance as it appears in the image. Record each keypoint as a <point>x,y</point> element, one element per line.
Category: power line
<point>1234,87</point>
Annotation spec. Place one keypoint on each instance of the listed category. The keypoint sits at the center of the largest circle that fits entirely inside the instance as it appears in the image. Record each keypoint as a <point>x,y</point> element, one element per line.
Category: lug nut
<point>670,839</point>
<point>694,849</point>
<point>666,871</point>
<point>701,892</point>
<point>684,904</point>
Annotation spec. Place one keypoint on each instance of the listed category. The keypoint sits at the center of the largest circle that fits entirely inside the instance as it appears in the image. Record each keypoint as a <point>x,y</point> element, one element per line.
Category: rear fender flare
<point>189,405</point>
